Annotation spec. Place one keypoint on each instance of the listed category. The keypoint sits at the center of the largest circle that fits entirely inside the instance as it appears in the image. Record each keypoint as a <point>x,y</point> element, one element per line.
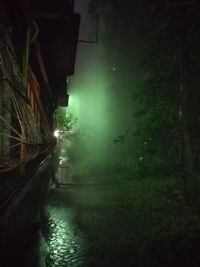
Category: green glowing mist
<point>103,107</point>
<point>101,99</point>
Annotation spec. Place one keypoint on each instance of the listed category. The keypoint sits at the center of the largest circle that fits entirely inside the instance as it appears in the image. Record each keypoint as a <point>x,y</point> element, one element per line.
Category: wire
<point>9,126</point>
<point>25,132</point>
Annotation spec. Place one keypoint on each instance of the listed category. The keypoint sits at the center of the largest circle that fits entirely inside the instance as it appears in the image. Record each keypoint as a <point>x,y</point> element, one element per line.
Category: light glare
<point>56,133</point>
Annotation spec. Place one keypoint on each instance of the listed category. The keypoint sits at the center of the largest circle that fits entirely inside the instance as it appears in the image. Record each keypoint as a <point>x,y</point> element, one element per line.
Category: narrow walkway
<point>96,225</point>
<point>80,229</point>
<point>82,226</point>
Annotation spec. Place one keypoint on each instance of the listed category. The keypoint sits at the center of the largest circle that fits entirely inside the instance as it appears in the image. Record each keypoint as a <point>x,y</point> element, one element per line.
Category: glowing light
<point>56,133</point>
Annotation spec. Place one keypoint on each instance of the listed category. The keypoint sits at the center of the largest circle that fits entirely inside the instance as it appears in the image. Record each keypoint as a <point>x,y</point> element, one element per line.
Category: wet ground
<point>86,224</point>
<point>122,223</point>
<point>116,224</point>
<point>79,229</point>
<point>81,226</point>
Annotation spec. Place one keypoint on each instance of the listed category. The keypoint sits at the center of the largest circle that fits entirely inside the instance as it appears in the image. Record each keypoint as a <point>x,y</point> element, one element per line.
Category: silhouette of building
<point>37,52</point>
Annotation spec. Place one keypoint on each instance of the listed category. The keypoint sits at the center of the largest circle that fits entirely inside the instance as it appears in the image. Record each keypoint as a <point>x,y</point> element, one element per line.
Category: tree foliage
<point>65,121</point>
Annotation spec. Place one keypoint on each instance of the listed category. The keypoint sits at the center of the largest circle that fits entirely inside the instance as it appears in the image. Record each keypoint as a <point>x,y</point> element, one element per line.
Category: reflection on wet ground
<point>79,229</point>
<point>65,243</point>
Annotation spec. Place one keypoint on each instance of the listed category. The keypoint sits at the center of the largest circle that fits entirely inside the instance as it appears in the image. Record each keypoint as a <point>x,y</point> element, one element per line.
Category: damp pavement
<point>81,226</point>
<point>84,225</point>
<point>79,229</point>
<point>87,224</point>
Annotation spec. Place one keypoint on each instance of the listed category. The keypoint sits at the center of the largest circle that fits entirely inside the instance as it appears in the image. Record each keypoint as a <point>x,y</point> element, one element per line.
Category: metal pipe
<point>26,53</point>
<point>26,58</point>
<point>36,31</point>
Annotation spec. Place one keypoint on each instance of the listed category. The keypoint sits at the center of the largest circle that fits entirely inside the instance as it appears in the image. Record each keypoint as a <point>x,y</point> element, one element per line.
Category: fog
<point>101,91</point>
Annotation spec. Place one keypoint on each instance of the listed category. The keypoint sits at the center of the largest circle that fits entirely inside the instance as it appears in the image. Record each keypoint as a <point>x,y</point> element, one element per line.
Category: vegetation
<point>65,120</point>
